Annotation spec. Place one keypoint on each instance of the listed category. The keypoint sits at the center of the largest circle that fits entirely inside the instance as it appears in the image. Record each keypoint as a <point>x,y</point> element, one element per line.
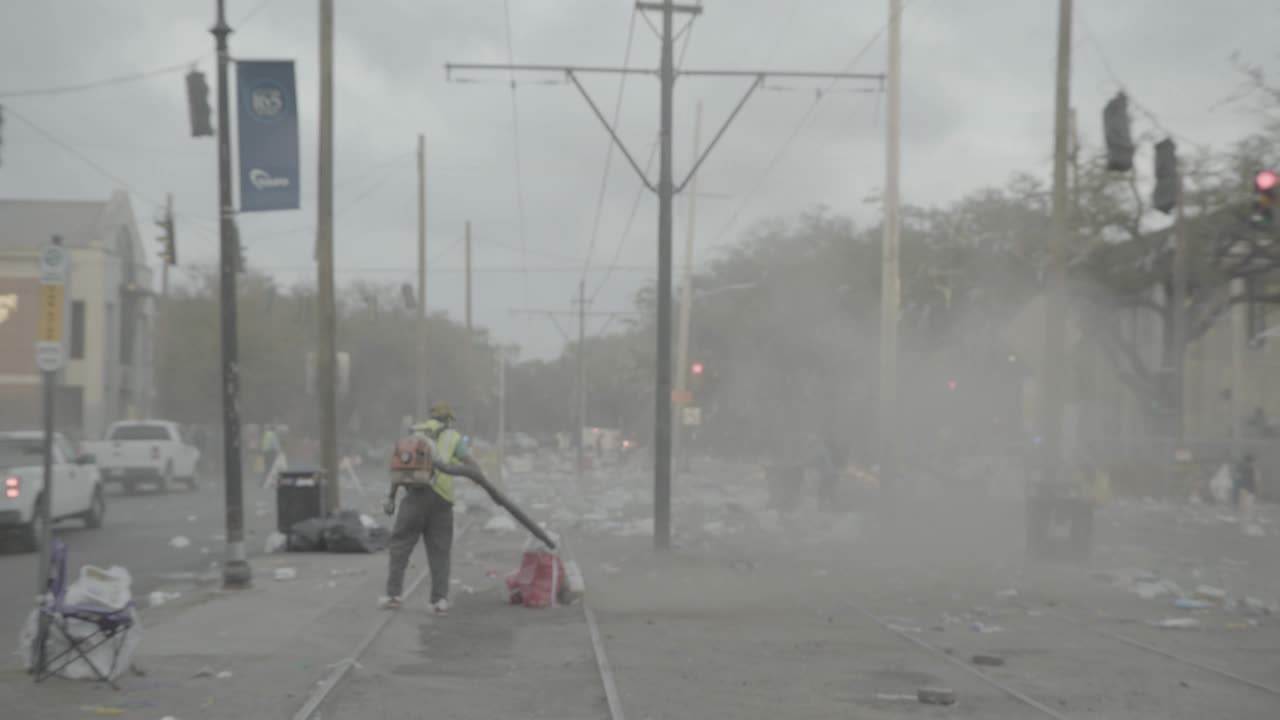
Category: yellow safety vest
<point>446,445</point>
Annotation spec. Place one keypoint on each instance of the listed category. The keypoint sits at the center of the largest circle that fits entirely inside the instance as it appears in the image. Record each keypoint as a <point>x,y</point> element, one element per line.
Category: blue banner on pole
<point>268,109</point>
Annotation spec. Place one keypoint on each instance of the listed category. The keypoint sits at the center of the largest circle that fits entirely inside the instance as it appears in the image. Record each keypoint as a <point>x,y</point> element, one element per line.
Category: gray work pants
<point>423,513</point>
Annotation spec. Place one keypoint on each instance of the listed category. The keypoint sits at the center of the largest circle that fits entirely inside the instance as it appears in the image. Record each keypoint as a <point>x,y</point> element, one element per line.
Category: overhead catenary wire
<point>800,126</point>
<point>608,158</point>
<point>635,206</point>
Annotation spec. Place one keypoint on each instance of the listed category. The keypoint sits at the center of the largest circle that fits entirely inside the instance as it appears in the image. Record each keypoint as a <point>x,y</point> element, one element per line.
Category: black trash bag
<point>349,532</point>
<point>308,535</point>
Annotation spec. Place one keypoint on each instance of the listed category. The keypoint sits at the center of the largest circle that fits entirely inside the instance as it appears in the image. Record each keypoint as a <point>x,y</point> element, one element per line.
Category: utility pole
<point>236,573</point>
<point>502,413</point>
<point>1055,298</point>
<point>468,290</point>
<point>327,375</point>
<point>1239,346</point>
<point>686,292</point>
<point>419,375</point>
<point>1179,301</point>
<point>890,280</point>
<point>665,188</point>
<point>581,411</point>
<point>167,257</point>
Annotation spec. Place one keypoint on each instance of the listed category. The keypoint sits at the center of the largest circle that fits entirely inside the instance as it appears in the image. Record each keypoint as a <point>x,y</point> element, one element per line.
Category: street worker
<point>425,464</point>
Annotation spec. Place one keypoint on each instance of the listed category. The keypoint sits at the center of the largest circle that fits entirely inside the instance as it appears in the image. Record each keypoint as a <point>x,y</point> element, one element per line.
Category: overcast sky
<point>978,93</point>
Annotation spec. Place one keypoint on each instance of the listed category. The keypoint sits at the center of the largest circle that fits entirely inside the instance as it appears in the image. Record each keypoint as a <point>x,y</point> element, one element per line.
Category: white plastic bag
<point>109,589</point>
<point>1220,486</point>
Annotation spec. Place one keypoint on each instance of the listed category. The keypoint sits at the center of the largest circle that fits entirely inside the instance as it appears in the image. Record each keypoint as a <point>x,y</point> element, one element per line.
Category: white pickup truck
<point>147,451</point>
<point>77,487</point>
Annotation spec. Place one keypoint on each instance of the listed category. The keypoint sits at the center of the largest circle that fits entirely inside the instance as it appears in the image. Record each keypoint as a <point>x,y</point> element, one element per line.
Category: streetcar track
<point>339,672</point>
<point>1192,662</point>
<point>972,670</point>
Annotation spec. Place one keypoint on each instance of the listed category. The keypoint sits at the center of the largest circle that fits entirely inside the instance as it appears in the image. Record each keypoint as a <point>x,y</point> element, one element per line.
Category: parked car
<point>147,451</point>
<point>77,486</point>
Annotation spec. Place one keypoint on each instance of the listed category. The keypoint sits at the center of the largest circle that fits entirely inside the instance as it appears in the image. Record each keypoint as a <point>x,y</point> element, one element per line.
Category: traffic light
<point>697,368</point>
<point>198,104</point>
<point>1164,197</point>
<point>1264,195</point>
<point>952,385</point>
<point>1115,127</point>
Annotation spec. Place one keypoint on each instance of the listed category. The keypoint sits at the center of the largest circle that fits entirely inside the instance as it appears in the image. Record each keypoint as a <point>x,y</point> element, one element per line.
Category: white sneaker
<point>440,607</point>
<point>389,602</point>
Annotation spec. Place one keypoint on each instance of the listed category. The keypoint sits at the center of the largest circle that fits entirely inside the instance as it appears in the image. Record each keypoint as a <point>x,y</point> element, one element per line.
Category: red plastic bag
<point>538,582</point>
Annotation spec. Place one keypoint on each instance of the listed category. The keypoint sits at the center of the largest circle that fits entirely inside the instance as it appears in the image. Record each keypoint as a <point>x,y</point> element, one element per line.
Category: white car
<point>77,487</point>
<point>147,451</point>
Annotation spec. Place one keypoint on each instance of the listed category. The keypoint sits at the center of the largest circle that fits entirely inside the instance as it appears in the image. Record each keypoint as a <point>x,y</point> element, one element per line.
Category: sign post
<point>49,358</point>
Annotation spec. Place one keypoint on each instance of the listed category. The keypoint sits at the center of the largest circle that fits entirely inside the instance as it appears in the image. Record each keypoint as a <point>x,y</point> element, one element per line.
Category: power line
<point>635,205</point>
<point>801,125</point>
<point>126,78</point>
<point>515,132</point>
<point>608,158</point>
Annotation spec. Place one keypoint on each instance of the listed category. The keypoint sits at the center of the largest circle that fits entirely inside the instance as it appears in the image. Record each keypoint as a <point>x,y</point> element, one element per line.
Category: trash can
<point>1059,527</point>
<point>299,496</point>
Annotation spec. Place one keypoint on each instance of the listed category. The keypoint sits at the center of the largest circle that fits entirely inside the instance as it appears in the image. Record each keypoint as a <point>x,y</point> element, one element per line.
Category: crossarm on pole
<point>720,133</point>
<point>617,140</point>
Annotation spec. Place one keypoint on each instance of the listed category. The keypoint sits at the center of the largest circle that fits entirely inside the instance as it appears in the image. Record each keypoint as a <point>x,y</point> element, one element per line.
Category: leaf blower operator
<point>425,464</point>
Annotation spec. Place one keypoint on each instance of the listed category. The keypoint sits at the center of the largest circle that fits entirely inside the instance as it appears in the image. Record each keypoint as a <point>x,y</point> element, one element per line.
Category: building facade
<point>109,318</point>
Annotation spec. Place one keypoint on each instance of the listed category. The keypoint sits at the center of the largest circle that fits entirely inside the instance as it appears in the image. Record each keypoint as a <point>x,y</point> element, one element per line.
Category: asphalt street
<point>139,535</point>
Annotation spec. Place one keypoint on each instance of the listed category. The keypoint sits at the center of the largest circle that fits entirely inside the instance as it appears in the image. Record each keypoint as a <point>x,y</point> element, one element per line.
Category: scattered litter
<point>205,671</point>
<point>985,629</point>
<point>286,573</point>
<point>468,589</point>
<point>1183,603</point>
<point>160,597</point>
<point>988,660</point>
<point>936,696</point>
<point>1211,593</point>
<point>102,710</point>
<point>223,675</point>
<point>820,573</point>
<point>745,566</point>
<point>1254,605</point>
<point>204,551</point>
<point>610,568</point>
<point>500,523</point>
<point>904,628</point>
<point>1007,594</point>
<point>276,542</point>
<point>191,518</point>
<point>1151,591</point>
<point>1254,530</point>
<point>1178,624</point>
<point>896,697</point>
<point>179,542</point>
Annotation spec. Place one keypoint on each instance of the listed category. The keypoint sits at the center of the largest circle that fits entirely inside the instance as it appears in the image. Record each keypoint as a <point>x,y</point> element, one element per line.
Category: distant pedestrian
<point>1244,483</point>
<point>270,453</point>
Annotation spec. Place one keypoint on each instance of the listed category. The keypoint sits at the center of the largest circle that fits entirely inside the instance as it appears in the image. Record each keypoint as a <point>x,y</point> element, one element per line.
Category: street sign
<point>681,397</point>
<point>49,356</point>
<point>692,416</point>
<point>51,307</point>
<point>53,265</point>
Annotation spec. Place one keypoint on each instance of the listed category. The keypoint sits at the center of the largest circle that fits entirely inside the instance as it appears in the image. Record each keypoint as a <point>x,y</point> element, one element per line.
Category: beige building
<point>108,321</point>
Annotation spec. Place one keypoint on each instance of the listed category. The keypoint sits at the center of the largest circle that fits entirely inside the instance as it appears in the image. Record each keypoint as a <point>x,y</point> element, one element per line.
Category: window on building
<point>77,330</point>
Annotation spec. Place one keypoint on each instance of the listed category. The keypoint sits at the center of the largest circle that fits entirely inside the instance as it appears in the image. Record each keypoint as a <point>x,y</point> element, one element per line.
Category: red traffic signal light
<point>1266,181</point>
<point>952,385</point>
<point>697,368</point>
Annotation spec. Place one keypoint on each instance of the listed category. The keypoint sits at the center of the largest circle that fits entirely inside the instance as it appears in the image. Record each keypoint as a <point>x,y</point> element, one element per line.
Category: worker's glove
<point>389,506</point>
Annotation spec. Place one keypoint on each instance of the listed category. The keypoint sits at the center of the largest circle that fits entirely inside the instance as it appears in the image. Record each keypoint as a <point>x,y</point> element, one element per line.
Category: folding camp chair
<point>109,627</point>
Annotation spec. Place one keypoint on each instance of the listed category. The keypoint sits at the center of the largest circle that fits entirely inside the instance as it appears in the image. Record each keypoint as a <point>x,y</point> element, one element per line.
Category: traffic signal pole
<point>666,188</point>
<point>686,296</point>
<point>236,573</point>
<point>327,360</point>
<point>890,279</point>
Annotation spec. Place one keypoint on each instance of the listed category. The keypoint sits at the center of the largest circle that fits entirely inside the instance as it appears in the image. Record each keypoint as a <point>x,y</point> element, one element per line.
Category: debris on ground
<point>102,710</point>
<point>500,523</point>
<point>896,697</point>
<point>191,518</point>
<point>179,542</point>
<point>985,629</point>
<point>1254,530</point>
<point>223,675</point>
<point>1211,593</point>
<point>205,671</point>
<point>276,542</point>
<point>1183,603</point>
<point>936,696</point>
<point>987,660</point>
<point>286,573</point>
<point>1007,594</point>
<point>1178,623</point>
<point>160,597</point>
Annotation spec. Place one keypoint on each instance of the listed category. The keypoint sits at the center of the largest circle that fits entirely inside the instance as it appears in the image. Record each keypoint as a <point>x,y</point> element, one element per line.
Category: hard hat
<point>441,410</point>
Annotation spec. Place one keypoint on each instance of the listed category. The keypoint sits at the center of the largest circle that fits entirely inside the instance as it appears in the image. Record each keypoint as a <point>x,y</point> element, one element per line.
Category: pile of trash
<point>342,531</point>
<point>108,589</point>
<point>1203,597</point>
